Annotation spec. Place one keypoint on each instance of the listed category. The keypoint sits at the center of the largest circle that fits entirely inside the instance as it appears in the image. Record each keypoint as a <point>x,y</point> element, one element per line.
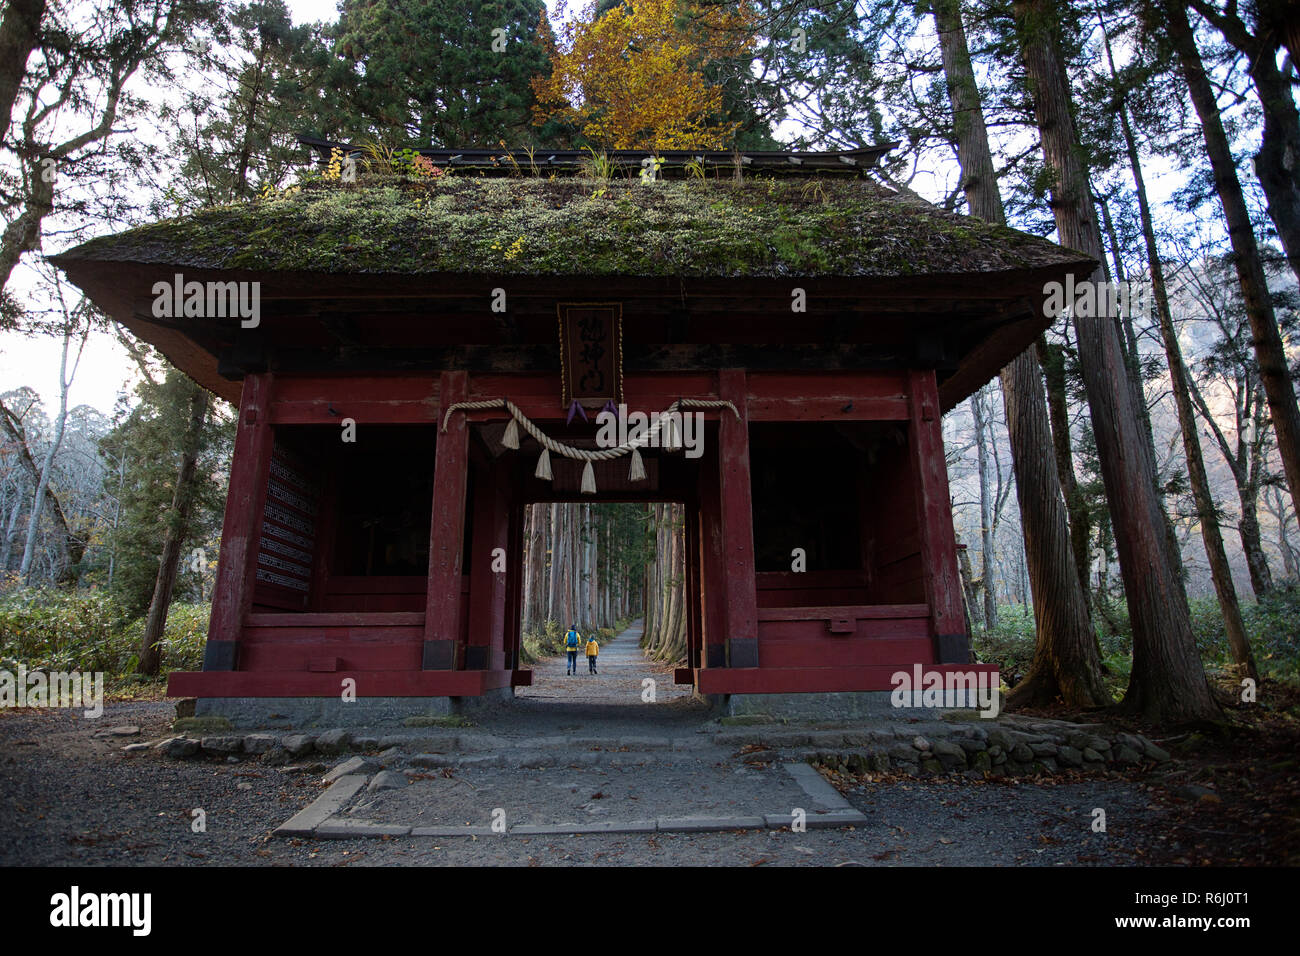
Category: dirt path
<point>606,750</point>
<point>622,670</point>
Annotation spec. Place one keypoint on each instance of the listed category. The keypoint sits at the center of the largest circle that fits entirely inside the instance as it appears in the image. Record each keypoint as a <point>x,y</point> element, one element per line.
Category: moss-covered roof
<point>584,227</point>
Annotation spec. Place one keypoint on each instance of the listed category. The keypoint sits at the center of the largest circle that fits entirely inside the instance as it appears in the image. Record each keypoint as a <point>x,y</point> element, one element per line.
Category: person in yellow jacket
<point>592,650</point>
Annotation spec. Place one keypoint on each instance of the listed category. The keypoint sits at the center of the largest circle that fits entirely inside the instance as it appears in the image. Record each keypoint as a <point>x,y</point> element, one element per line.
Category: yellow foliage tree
<point>633,77</point>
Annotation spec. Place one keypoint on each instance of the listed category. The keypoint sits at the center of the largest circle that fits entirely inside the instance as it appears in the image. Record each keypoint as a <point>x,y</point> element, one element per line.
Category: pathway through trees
<point>623,670</point>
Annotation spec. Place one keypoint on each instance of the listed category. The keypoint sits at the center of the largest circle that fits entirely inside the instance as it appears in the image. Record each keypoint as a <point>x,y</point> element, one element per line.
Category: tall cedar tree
<point>435,72</point>
<point>1167,682</point>
<point>1269,349</point>
<point>1206,509</point>
<point>1066,662</point>
<point>1275,163</point>
<point>154,440</point>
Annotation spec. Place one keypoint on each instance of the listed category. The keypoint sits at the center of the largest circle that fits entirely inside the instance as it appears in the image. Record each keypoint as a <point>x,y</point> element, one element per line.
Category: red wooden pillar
<point>934,522</point>
<point>447,529</point>
<point>515,571</point>
<point>741,596</point>
<point>693,616</point>
<point>714,561</point>
<point>241,532</point>
<point>488,567</point>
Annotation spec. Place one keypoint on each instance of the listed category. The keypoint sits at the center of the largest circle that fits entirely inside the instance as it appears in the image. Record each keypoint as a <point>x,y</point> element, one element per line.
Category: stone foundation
<point>854,705</point>
<point>300,713</point>
<point>1010,747</point>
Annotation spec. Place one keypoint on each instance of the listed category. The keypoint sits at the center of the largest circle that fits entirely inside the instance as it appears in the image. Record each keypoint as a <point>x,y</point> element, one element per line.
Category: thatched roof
<point>583,227</point>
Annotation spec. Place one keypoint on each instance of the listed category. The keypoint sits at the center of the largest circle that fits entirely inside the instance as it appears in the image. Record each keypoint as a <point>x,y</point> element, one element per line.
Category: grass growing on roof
<point>527,226</point>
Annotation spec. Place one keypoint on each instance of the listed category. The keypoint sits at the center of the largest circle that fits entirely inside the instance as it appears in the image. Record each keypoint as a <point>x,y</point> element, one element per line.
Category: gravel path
<point>68,796</point>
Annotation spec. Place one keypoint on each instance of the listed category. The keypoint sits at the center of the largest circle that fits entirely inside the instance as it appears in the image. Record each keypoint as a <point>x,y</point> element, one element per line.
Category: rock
<point>433,760</point>
<point>136,748</point>
<point>365,743</point>
<point>388,756</point>
<point>920,743</point>
<point>995,751</point>
<point>351,765</point>
<point>1127,755</point>
<point>275,757</point>
<point>1153,752</point>
<point>1092,756</point>
<point>1045,765</point>
<point>259,743</point>
<point>222,745</point>
<point>1044,749</point>
<point>941,747</point>
<point>1022,754</point>
<point>980,760</point>
<point>904,755</point>
<point>879,762</point>
<point>950,755</point>
<point>953,761</point>
<point>185,706</point>
<point>232,760</point>
<point>179,747</point>
<point>1131,741</point>
<point>312,768</point>
<point>298,744</point>
<point>334,741</point>
<point>1070,756</point>
<point>387,780</point>
<point>1000,739</point>
<point>1000,759</point>
<point>243,785</point>
<point>930,765</point>
<point>972,744</point>
<point>1078,740</point>
<point>1197,794</point>
<point>124,731</point>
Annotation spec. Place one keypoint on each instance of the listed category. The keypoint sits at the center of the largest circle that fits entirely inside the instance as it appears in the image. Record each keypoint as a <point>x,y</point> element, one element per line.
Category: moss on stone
<point>200,724</point>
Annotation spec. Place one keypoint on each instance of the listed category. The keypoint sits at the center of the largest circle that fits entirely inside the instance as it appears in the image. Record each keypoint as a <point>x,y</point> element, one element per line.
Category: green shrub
<point>89,631</point>
<point>65,631</point>
<point>1009,645</point>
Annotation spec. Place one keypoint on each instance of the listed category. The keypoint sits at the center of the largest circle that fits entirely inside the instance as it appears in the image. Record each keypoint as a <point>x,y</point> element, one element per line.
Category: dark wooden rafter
<point>671,163</point>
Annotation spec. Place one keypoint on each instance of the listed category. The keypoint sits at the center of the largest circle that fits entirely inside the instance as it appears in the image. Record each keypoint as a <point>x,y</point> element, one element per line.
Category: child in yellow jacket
<point>592,650</point>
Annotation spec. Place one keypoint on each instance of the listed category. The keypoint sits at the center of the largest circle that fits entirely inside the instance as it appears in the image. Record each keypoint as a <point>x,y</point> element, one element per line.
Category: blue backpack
<point>571,639</point>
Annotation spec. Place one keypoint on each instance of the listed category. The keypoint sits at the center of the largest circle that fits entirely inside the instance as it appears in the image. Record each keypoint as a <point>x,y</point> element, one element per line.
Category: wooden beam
<point>487,589</point>
<point>250,469</point>
<point>515,570</point>
<point>737,522</point>
<point>713,547</point>
<point>447,531</point>
<point>934,522</point>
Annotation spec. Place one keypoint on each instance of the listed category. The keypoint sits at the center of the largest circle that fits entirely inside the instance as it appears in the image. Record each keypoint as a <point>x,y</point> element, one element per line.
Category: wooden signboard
<point>591,353</point>
<point>288,542</point>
